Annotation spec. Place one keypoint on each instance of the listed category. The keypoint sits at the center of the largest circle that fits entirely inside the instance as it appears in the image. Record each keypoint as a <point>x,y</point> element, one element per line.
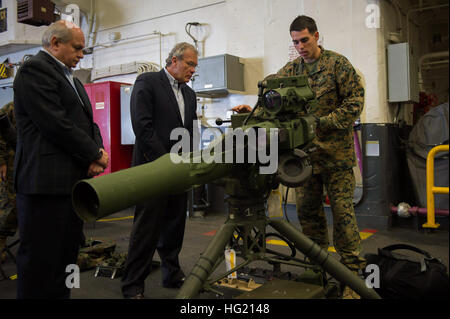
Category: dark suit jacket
<point>155,113</point>
<point>57,138</point>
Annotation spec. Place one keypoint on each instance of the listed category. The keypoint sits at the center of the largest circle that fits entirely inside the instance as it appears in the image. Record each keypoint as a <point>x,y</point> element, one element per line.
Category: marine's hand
<point>243,108</point>
<point>95,169</point>
<point>104,160</point>
<point>317,123</point>
<point>3,169</point>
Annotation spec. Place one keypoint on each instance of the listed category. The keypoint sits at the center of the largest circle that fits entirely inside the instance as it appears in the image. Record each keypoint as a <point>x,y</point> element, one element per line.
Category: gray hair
<point>58,29</point>
<point>178,51</point>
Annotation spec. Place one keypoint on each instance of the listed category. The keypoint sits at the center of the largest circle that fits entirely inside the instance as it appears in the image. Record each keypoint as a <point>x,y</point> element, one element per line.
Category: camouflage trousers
<point>340,186</point>
<point>8,211</point>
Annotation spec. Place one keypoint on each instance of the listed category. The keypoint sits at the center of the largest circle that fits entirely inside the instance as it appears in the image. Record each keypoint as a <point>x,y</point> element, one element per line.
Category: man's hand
<point>104,160</point>
<point>3,170</point>
<point>243,108</point>
<point>95,169</point>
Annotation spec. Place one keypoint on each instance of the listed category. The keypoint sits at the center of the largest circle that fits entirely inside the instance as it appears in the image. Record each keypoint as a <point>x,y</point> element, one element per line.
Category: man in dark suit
<point>57,144</point>
<point>160,102</point>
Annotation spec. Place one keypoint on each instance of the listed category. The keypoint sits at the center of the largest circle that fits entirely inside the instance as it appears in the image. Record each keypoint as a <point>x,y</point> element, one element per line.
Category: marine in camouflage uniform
<point>340,98</point>
<point>8,212</point>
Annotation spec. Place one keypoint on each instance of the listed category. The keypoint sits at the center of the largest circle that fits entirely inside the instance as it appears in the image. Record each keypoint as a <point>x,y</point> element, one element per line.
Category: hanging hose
<point>187,28</point>
<point>285,204</point>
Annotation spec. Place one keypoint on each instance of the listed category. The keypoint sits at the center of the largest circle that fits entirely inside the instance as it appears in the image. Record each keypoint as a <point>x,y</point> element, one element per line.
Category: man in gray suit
<point>57,144</point>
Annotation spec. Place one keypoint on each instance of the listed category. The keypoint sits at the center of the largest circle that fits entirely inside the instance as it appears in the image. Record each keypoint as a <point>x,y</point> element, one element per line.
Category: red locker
<point>105,101</point>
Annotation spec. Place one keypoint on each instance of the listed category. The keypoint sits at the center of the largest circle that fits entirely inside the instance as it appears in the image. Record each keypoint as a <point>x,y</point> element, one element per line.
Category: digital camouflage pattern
<point>94,253</point>
<point>8,212</point>
<point>340,97</point>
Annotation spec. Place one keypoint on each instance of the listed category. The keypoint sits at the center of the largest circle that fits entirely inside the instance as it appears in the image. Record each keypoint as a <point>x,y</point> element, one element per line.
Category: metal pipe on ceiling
<point>417,10</point>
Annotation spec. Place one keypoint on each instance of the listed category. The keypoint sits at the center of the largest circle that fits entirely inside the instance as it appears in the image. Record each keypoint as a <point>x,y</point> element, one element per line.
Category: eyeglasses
<point>191,64</point>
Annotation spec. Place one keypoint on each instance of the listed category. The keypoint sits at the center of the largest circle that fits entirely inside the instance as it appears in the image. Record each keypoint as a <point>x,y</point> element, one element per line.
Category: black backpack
<point>405,277</point>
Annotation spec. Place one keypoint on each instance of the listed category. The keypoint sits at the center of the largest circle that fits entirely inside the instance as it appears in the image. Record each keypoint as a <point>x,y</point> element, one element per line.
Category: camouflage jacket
<point>340,96</point>
<point>5,150</point>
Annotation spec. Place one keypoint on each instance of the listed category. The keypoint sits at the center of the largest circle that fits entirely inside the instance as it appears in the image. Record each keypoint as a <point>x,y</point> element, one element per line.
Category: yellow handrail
<point>431,189</point>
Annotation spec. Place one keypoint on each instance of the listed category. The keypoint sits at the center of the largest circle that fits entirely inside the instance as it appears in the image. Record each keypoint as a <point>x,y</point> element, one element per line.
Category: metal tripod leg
<point>202,269</point>
<point>322,258</point>
<point>7,249</point>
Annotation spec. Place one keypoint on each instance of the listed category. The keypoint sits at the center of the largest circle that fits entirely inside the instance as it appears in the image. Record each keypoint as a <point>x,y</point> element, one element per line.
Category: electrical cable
<point>188,31</point>
<point>285,204</point>
<point>289,243</point>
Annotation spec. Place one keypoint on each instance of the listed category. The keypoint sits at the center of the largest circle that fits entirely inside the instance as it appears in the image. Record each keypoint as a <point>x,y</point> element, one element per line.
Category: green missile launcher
<point>279,121</point>
<point>102,196</point>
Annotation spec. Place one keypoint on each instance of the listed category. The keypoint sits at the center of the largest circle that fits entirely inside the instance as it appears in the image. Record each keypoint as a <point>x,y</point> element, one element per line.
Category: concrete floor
<point>198,235</point>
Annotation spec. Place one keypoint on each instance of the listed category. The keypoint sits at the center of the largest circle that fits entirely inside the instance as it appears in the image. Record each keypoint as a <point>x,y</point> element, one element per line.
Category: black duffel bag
<point>405,277</point>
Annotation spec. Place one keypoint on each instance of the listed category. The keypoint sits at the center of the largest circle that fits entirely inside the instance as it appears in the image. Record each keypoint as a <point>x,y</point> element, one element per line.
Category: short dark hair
<point>303,22</point>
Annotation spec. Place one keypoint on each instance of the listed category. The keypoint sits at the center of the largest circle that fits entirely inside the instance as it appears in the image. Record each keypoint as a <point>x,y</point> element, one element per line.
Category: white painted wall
<point>18,32</point>
<point>255,30</point>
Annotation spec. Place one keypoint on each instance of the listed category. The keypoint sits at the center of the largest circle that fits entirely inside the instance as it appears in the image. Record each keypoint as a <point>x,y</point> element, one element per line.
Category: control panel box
<point>217,75</point>
<point>403,74</point>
